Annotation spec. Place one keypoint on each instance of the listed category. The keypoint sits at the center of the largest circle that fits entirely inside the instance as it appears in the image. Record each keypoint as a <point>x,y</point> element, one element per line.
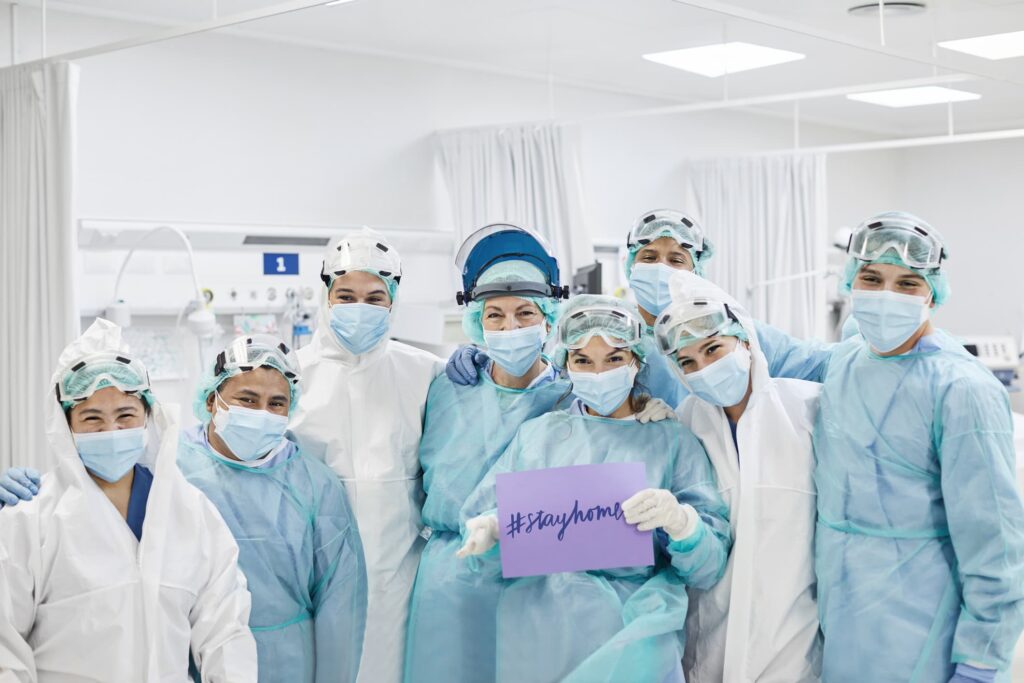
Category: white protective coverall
<point>760,622</point>
<point>363,416</point>
<point>89,602</point>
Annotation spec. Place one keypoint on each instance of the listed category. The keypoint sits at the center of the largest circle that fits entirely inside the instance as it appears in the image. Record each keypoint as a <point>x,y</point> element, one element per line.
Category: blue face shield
<point>250,434</point>
<point>604,392</point>
<point>888,319</point>
<point>110,455</point>
<point>359,327</point>
<point>515,351</point>
<point>724,383</point>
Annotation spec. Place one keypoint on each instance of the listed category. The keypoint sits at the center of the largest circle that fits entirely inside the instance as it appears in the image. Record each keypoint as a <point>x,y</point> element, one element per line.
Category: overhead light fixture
<point>724,58</point>
<point>914,97</point>
<point>996,46</point>
<point>892,8</point>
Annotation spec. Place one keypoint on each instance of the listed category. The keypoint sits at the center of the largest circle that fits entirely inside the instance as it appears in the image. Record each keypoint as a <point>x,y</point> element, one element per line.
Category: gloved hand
<point>463,367</point>
<point>659,509</point>
<point>965,673</point>
<point>481,536</point>
<point>18,483</point>
<point>656,410</point>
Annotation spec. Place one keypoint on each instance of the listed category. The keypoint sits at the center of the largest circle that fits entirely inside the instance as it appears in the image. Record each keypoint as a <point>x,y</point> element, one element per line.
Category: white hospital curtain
<point>767,219</point>
<point>37,247</point>
<point>526,175</point>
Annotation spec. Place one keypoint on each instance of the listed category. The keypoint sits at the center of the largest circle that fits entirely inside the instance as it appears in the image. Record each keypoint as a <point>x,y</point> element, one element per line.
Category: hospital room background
<point>183,163</point>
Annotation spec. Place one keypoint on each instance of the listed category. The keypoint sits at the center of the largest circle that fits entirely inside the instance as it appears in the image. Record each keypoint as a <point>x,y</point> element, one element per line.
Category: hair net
<point>507,271</point>
<point>367,251</point>
<point>936,279</point>
<point>587,315</point>
<point>265,351</point>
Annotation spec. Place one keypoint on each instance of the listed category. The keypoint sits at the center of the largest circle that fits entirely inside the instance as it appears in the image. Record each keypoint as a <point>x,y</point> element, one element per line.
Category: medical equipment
<point>998,353</point>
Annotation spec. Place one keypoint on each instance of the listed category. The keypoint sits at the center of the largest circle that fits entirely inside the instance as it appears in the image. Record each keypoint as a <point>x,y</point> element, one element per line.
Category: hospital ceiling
<point>600,43</point>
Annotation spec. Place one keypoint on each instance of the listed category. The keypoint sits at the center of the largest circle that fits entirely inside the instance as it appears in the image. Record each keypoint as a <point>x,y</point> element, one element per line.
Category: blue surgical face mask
<point>250,434</point>
<point>888,319</point>
<point>723,383</point>
<point>516,350</point>
<point>110,455</point>
<point>649,282</point>
<point>604,392</point>
<point>359,327</point>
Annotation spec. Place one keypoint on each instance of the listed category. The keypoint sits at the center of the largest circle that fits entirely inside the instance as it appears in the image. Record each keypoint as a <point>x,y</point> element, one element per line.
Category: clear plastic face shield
<point>99,370</point>
<point>500,242</point>
<point>619,329</point>
<point>666,222</point>
<point>259,350</point>
<point>916,245</point>
<point>361,252</point>
<point>691,321</point>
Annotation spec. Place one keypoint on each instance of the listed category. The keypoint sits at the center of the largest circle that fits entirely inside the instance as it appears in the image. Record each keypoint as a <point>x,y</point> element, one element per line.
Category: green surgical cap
<point>935,278</point>
<point>598,323</point>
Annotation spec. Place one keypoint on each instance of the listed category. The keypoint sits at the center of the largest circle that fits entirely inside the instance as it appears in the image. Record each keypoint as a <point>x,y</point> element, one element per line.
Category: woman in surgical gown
<point>452,615</point>
<point>119,568</point>
<point>920,539</point>
<point>618,624</point>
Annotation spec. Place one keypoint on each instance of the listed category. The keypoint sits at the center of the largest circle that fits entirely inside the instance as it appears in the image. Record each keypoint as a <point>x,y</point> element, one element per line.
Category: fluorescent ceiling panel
<point>724,58</point>
<point>997,46</point>
<point>914,97</point>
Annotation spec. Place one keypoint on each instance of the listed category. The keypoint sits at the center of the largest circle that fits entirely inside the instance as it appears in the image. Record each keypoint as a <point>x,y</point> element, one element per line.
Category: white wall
<point>971,193</point>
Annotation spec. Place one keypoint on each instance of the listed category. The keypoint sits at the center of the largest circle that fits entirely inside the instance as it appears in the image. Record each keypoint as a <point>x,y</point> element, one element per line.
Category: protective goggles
<point>361,253</point>
<point>915,245</point>
<point>99,370</point>
<point>260,350</point>
<point>682,324</point>
<point>620,329</point>
<point>500,242</point>
<point>666,223</point>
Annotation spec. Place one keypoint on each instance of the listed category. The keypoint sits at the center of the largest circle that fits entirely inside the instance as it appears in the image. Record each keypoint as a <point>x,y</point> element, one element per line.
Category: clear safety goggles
<point>102,369</point>
<point>362,252</point>
<point>256,351</point>
<point>682,324</point>
<point>619,328</point>
<point>915,245</point>
<point>666,222</point>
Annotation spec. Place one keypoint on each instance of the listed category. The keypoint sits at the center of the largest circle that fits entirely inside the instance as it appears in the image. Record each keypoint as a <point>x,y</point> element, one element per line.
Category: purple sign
<point>569,519</point>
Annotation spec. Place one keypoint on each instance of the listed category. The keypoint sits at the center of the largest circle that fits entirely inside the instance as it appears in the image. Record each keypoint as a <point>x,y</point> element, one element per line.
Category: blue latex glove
<point>965,673</point>
<point>18,483</point>
<point>463,367</point>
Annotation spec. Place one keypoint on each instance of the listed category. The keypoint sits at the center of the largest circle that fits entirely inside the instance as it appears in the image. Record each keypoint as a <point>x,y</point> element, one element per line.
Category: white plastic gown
<point>618,624</point>
<point>920,542</point>
<point>363,416</point>
<point>90,602</point>
<point>760,622</point>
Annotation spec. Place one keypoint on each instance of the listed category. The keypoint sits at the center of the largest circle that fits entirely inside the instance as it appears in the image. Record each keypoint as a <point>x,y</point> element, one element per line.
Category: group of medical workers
<point>843,512</point>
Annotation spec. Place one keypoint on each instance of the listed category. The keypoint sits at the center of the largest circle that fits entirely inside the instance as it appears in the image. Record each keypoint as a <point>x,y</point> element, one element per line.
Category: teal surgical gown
<point>452,616</point>
<point>920,539</point>
<point>299,549</point>
<point>611,625</point>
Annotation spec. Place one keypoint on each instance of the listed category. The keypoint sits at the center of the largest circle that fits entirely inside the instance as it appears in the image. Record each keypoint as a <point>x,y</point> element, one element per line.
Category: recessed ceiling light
<point>997,46</point>
<point>724,58</point>
<point>913,97</point>
<point>892,8</point>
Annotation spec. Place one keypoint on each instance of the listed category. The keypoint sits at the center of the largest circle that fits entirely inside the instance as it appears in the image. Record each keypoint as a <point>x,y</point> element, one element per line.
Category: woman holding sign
<point>760,622</point>
<point>610,624</point>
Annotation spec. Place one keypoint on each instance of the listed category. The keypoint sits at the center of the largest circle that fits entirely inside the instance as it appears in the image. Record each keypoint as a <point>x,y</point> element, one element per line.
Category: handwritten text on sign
<point>567,519</point>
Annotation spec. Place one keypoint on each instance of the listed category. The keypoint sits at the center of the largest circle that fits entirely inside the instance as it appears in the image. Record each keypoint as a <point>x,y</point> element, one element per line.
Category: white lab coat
<point>363,416</point>
<point>87,601</point>
<point>760,622</point>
